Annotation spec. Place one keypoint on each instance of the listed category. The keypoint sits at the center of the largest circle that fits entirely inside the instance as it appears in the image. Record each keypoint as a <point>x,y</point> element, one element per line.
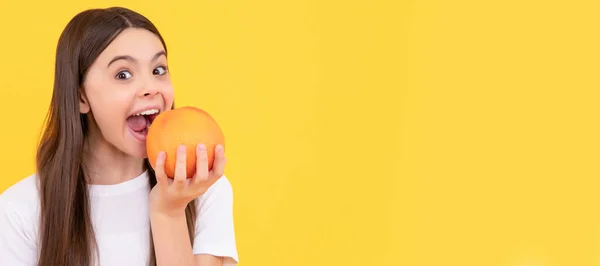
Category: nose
<point>149,89</point>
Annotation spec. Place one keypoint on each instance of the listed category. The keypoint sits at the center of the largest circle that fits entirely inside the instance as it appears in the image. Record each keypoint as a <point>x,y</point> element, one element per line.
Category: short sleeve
<point>17,242</point>
<point>215,233</point>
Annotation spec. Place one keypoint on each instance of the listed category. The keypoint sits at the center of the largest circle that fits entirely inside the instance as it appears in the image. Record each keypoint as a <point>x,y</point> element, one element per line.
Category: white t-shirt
<point>121,222</point>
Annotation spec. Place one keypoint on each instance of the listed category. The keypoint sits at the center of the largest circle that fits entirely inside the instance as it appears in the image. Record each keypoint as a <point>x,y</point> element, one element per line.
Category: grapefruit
<point>189,126</point>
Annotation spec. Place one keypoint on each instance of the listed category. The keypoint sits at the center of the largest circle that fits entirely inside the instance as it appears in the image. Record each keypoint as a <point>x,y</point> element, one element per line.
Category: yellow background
<point>370,132</point>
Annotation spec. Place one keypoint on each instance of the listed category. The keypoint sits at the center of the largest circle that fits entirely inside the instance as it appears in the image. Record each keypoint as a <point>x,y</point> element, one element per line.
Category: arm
<point>208,260</point>
<point>214,242</point>
<point>171,239</point>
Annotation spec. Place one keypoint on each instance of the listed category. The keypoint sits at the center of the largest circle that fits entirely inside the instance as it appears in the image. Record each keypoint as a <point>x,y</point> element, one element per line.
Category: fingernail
<point>219,147</point>
<point>161,155</point>
<point>181,148</point>
<point>201,147</point>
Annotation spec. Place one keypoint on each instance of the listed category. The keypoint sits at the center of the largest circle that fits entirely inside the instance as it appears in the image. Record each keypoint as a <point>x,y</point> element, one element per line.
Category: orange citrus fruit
<point>189,126</point>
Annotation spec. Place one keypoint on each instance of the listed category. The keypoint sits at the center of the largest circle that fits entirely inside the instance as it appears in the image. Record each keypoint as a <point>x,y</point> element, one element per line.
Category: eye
<point>161,70</point>
<point>124,75</point>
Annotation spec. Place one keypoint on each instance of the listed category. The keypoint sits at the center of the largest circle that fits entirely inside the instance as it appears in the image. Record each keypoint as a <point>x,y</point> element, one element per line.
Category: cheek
<point>167,94</point>
<point>110,109</point>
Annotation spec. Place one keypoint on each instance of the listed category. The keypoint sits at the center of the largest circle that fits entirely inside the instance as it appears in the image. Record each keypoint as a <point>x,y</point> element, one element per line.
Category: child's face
<point>130,76</point>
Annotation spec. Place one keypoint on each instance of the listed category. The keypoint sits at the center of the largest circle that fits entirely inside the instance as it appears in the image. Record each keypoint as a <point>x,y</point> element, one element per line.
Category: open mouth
<point>139,123</point>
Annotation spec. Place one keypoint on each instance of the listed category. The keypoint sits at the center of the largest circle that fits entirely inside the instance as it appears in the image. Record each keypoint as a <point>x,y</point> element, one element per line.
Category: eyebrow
<point>129,58</point>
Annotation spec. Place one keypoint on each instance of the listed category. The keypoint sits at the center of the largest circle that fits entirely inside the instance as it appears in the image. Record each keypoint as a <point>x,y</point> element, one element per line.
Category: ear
<point>84,104</point>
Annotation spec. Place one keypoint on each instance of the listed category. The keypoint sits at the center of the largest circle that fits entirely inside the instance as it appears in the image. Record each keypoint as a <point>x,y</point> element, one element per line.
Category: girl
<point>94,199</point>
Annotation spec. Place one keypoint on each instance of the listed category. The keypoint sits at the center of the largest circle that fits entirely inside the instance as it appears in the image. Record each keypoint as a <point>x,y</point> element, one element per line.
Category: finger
<point>159,171</point>
<point>201,164</point>
<point>180,168</point>
<point>219,163</point>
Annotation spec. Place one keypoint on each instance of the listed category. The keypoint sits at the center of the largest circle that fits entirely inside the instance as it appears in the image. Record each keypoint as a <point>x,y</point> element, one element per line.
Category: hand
<point>172,196</point>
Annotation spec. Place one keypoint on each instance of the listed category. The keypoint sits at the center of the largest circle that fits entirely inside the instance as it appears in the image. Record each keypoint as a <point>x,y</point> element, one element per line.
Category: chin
<point>133,146</point>
<point>140,152</point>
<point>135,149</point>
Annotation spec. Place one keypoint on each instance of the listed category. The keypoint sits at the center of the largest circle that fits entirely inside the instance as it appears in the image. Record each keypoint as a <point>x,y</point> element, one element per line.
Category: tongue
<point>137,122</point>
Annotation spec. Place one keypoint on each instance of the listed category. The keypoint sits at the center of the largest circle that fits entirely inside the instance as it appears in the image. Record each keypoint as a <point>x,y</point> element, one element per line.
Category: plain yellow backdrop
<point>369,132</point>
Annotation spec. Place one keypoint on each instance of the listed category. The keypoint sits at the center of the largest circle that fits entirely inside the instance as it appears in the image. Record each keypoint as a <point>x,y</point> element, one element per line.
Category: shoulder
<point>21,200</point>
<point>215,233</point>
<point>19,209</point>
<point>221,186</point>
<point>221,191</point>
<point>24,193</point>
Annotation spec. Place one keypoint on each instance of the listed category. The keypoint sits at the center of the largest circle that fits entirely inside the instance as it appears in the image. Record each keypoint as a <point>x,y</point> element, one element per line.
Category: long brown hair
<point>66,233</point>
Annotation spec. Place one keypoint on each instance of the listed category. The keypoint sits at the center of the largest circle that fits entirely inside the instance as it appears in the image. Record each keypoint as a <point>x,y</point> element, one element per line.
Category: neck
<point>107,165</point>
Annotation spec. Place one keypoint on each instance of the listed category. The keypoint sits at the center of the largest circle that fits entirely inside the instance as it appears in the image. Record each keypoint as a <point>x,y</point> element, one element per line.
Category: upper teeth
<point>148,112</point>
